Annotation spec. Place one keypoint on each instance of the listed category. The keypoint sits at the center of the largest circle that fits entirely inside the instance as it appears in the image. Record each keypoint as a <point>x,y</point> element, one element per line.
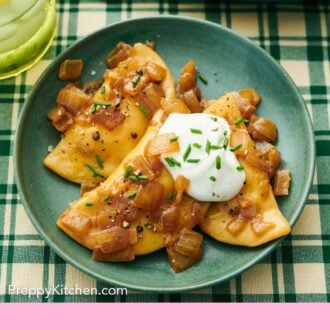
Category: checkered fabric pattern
<point>297,36</point>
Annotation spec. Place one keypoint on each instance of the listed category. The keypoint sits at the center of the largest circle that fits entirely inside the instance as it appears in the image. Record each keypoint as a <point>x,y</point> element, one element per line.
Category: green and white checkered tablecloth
<point>296,35</point>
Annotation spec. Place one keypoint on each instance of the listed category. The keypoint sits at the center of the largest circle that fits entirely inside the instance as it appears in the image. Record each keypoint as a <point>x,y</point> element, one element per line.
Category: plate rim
<point>175,289</point>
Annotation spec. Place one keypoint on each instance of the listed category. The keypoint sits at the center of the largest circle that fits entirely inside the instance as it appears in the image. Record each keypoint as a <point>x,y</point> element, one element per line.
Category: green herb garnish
<point>136,80</point>
<point>202,79</point>
<point>138,177</point>
<point>144,110</point>
<point>214,147</point>
<point>196,131</point>
<point>102,90</point>
<point>197,145</point>
<point>170,195</point>
<point>225,143</point>
<point>214,118</point>
<point>240,168</point>
<point>172,162</point>
<point>103,104</point>
<point>128,171</point>
<point>99,161</point>
<point>89,204</point>
<point>193,160</point>
<point>93,110</point>
<point>187,152</point>
<point>131,195</point>
<point>174,138</point>
<point>236,147</point>
<point>241,120</point>
<point>213,178</point>
<point>106,198</point>
<point>218,162</point>
<point>208,147</point>
<point>95,173</point>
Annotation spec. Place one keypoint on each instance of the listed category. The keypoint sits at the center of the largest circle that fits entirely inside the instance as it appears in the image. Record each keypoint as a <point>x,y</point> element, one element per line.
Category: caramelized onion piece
<point>187,78</point>
<point>281,183</point>
<point>111,239</point>
<point>260,227</point>
<point>150,98</point>
<point>136,82</point>
<point>140,166</point>
<point>60,118</point>
<point>148,196</point>
<point>156,72</point>
<point>76,223</point>
<point>180,262</point>
<point>120,53</point>
<point>120,256</point>
<point>196,213</point>
<point>245,107</point>
<point>189,243</point>
<point>109,116</point>
<point>262,129</point>
<point>87,186</point>
<point>92,87</point>
<point>271,154</point>
<point>162,144</point>
<point>251,95</point>
<point>72,99</point>
<point>169,218</point>
<point>174,105</point>
<point>191,100</point>
<point>240,136</point>
<point>181,185</point>
<point>71,69</point>
<point>236,226</point>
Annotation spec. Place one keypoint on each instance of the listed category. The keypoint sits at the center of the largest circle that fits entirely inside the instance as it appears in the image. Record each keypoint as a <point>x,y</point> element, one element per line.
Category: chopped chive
<point>208,147</point>
<point>144,110</point>
<point>240,168</point>
<point>106,198</point>
<point>214,147</point>
<point>89,204</point>
<point>133,178</point>
<point>235,147</point>
<point>197,145</point>
<point>136,80</point>
<point>187,152</point>
<point>128,171</point>
<point>95,173</point>
<point>193,160</point>
<point>172,162</point>
<point>142,178</point>
<point>225,133</point>
<point>93,110</point>
<point>174,138</point>
<point>102,90</point>
<point>101,103</point>
<point>213,178</point>
<point>214,118</point>
<point>99,161</point>
<point>239,121</point>
<point>131,195</point>
<point>196,131</point>
<point>170,195</point>
<point>225,143</point>
<point>246,121</point>
<point>202,79</point>
<point>218,162</point>
<point>169,161</point>
<point>138,177</point>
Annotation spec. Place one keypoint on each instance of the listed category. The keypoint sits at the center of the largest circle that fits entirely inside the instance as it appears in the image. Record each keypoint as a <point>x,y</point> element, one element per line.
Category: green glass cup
<point>27,28</point>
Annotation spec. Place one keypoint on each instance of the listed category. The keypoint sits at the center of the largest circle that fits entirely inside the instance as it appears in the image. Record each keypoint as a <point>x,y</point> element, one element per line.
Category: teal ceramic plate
<point>229,62</point>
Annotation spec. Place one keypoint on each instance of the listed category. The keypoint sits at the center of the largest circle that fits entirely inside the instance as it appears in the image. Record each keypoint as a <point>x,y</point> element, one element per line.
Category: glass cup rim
<point>21,14</point>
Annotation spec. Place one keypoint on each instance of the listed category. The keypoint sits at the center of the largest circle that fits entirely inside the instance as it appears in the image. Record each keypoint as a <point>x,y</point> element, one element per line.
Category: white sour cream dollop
<point>203,134</point>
